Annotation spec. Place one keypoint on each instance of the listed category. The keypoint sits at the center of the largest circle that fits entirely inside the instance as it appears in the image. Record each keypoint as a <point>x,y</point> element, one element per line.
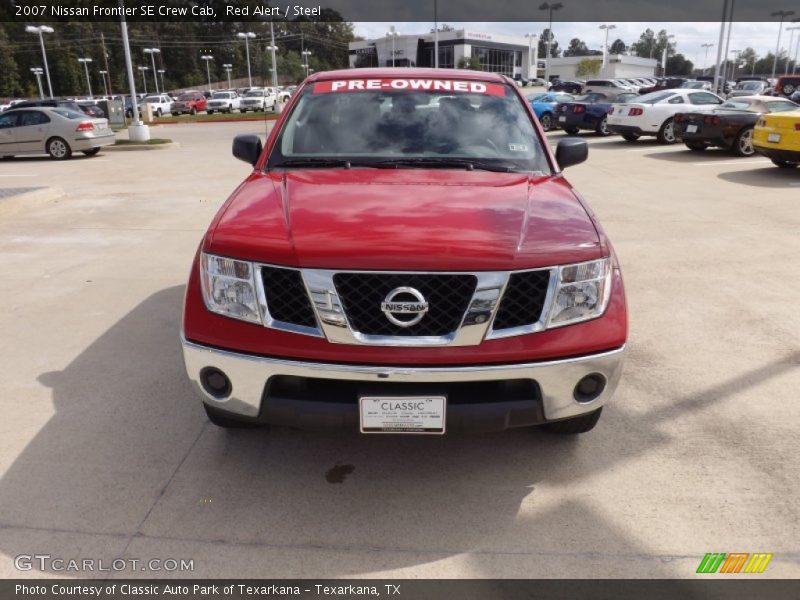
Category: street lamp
<point>272,48</point>
<point>247,36</point>
<point>105,85</point>
<point>144,80</point>
<point>782,14</point>
<point>392,34</point>
<point>306,54</point>
<point>549,7</point>
<point>605,45</point>
<point>208,58</point>
<point>789,51</point>
<point>533,51</point>
<point>796,50</point>
<point>38,72</point>
<point>152,52</point>
<point>163,87</point>
<point>86,62</point>
<point>705,60</point>
<point>228,67</point>
<point>39,30</point>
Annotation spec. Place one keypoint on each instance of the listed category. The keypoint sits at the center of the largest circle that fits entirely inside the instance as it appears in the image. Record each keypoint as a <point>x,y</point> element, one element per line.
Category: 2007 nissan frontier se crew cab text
<point>406,257</point>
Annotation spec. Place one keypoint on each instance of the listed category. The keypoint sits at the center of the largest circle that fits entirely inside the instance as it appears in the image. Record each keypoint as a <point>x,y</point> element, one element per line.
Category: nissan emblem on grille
<point>404,301</point>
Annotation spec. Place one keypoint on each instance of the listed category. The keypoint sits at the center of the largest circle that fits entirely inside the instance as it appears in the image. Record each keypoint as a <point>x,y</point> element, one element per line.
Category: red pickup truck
<point>406,257</point>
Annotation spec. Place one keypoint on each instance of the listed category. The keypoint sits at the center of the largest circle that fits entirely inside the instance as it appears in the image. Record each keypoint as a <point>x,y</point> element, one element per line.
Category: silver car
<point>55,131</point>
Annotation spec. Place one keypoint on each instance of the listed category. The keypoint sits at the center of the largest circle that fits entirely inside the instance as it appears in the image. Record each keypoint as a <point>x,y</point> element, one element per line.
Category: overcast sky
<point>688,36</point>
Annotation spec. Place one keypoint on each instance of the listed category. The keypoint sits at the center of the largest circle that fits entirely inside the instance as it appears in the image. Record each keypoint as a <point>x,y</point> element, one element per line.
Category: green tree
<point>473,63</point>
<point>554,50</point>
<point>578,47</point>
<point>588,67</point>
<point>679,65</point>
<point>617,47</point>
<point>651,45</point>
<point>9,74</point>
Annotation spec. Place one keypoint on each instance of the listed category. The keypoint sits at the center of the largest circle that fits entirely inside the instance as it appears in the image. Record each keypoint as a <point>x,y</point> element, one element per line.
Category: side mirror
<point>247,148</point>
<point>571,151</point>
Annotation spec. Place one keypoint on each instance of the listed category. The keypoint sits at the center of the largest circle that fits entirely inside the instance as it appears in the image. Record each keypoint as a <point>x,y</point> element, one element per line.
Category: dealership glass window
<point>365,58</point>
<point>494,60</point>
<point>446,57</point>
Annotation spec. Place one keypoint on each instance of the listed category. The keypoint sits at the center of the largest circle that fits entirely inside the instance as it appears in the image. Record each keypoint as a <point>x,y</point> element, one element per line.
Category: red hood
<point>405,219</point>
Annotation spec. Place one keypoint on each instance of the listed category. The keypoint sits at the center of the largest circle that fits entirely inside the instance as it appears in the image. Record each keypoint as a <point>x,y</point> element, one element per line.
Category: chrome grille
<point>448,295</point>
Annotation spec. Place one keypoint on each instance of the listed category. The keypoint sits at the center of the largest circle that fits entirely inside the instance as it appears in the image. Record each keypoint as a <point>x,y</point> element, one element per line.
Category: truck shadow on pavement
<point>770,176</point>
<point>129,466</point>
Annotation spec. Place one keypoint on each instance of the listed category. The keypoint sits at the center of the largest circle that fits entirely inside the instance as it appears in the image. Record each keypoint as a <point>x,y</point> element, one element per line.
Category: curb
<point>138,147</point>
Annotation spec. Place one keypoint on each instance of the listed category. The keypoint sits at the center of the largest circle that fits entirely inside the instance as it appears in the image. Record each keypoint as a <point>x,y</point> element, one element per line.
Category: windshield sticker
<point>518,147</point>
<point>432,85</point>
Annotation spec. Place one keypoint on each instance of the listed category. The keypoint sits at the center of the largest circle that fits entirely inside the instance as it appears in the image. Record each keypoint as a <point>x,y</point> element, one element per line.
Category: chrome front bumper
<point>249,375</point>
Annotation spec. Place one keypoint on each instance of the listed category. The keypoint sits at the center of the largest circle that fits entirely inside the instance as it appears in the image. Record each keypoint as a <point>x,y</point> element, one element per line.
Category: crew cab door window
<point>703,98</point>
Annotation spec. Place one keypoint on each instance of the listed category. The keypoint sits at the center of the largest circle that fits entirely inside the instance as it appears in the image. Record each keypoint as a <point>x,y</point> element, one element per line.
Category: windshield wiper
<point>312,162</point>
<point>443,163</point>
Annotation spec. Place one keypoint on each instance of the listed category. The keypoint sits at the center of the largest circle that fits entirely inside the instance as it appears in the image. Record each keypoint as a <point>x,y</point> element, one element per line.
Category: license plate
<point>562,119</point>
<point>100,126</point>
<point>403,414</point>
<point>774,137</point>
<point>691,129</point>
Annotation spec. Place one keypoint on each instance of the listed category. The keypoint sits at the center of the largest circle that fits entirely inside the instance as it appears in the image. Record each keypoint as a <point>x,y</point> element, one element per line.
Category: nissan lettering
<point>405,257</point>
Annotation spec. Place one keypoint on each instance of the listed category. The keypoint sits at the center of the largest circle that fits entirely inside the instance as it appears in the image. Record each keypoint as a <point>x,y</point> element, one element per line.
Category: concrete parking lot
<point>106,453</point>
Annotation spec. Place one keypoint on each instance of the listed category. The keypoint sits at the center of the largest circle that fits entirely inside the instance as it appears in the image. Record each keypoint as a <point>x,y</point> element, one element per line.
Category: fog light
<point>215,383</point>
<point>589,387</point>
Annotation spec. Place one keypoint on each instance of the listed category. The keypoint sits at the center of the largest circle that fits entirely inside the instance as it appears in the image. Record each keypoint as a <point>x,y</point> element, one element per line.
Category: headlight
<point>581,293</point>
<point>229,288</point>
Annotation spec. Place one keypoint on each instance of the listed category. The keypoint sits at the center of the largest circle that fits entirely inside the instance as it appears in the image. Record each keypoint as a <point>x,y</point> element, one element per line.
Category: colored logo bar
<point>734,562</point>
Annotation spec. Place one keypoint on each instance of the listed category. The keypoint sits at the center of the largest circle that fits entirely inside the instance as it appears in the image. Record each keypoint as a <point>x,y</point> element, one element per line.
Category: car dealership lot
<point>106,453</point>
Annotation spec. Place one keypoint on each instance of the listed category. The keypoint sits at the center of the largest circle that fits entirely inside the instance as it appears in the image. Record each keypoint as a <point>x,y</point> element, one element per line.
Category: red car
<point>406,257</point>
<point>189,103</point>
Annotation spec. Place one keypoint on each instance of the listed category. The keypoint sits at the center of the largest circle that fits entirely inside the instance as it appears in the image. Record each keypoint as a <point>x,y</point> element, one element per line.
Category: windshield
<point>185,97</point>
<point>749,85</point>
<point>68,114</point>
<point>591,98</point>
<point>255,94</point>
<point>654,97</point>
<point>536,97</point>
<point>152,99</point>
<point>380,122</point>
<point>221,96</point>
<point>736,104</point>
<point>695,85</point>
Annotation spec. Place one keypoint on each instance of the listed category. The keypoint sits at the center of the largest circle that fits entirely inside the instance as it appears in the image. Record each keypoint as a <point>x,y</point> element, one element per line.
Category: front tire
<point>58,148</point>
<point>743,144</point>
<point>602,127</point>
<point>575,425</point>
<point>194,111</point>
<point>572,130</point>
<point>159,113</point>
<point>91,152</point>
<point>227,420</point>
<point>630,137</point>
<point>666,135</point>
<point>546,121</point>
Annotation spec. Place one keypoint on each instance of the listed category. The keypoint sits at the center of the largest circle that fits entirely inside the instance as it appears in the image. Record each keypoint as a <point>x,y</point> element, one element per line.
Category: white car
<point>652,114</point>
<point>55,131</point>
<point>160,103</point>
<point>224,102</point>
<point>257,100</point>
<point>609,87</point>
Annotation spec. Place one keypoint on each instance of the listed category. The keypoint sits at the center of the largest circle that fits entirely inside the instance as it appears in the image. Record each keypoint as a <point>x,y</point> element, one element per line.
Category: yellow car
<point>777,136</point>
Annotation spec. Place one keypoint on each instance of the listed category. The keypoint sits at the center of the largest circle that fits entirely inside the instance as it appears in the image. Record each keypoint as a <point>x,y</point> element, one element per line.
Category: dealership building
<point>514,56</point>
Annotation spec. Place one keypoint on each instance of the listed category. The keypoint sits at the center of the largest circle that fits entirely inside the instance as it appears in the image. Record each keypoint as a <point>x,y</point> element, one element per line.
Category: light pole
<point>392,34</point>
<point>144,80</point>
<point>605,45</point>
<point>137,131</point>
<point>796,51</point>
<point>163,87</point>
<point>533,54</point>
<point>789,51</point>
<point>782,14</point>
<point>152,52</point>
<point>86,62</point>
<point>39,30</point>
<point>306,54</point>
<point>549,7</point>
<point>664,56</point>
<point>208,58</point>
<point>105,85</point>
<point>705,60</point>
<point>38,72</point>
<point>228,67</point>
<point>736,53</point>
<point>247,36</point>
<point>273,49</point>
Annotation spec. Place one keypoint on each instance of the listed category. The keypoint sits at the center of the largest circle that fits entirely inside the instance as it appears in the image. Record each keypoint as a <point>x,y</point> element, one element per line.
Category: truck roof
<point>403,72</point>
